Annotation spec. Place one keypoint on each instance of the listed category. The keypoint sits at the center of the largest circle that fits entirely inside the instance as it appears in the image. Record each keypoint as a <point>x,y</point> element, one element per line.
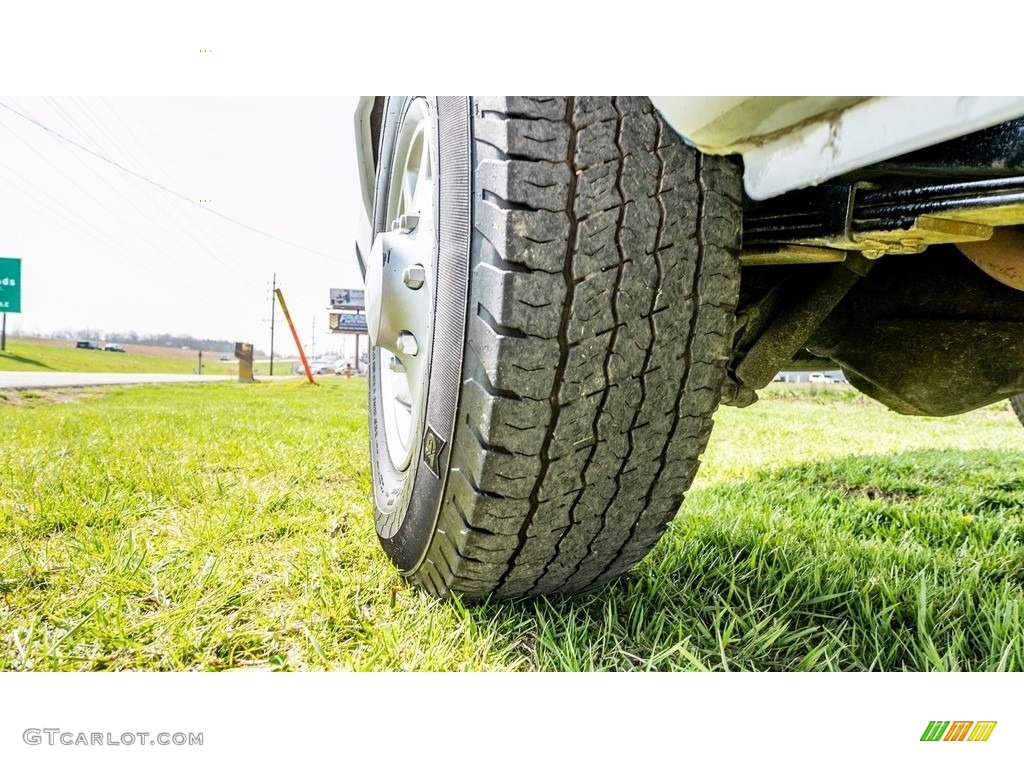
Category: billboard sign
<point>348,298</point>
<point>348,323</point>
<point>10,285</point>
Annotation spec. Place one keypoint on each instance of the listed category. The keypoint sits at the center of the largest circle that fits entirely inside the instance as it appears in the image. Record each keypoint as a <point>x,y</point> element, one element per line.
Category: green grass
<point>224,526</point>
<point>33,356</point>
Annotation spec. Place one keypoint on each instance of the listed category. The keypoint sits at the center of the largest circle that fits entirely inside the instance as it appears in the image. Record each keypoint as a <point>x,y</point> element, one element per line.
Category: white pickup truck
<point>561,291</point>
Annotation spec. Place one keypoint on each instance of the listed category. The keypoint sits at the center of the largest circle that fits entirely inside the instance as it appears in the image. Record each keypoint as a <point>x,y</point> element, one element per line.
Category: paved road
<point>34,380</point>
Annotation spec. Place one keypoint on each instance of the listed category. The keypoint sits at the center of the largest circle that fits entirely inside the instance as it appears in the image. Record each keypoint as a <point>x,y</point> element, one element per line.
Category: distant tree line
<point>151,339</point>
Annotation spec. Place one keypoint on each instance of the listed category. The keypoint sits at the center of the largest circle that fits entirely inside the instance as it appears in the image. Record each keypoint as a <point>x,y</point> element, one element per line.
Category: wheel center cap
<point>396,302</point>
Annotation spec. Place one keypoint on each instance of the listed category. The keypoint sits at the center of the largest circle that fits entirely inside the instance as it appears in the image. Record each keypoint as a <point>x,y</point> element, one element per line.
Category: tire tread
<point>602,295</point>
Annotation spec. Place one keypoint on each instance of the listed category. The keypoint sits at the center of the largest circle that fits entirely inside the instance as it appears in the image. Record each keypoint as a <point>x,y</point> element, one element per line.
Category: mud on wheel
<point>551,297</point>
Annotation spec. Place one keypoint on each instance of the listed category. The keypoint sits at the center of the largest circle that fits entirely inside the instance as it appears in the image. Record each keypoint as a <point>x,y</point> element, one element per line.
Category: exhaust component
<point>1000,257</point>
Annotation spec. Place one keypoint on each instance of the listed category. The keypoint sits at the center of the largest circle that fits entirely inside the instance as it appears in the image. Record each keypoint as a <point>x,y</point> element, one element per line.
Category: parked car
<point>555,302</point>
<point>112,347</point>
<point>820,378</point>
<point>87,344</point>
<point>319,367</point>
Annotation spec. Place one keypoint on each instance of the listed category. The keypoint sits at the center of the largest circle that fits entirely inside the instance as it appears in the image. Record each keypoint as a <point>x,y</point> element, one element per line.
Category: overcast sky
<point>103,249</point>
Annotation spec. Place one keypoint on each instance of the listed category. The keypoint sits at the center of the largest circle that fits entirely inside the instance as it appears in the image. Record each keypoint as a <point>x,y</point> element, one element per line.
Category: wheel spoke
<point>424,180</point>
<point>402,394</point>
<point>408,198</point>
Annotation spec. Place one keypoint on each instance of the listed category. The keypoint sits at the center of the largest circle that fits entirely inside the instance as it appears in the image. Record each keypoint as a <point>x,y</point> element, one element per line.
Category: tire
<point>1018,407</point>
<point>582,288</point>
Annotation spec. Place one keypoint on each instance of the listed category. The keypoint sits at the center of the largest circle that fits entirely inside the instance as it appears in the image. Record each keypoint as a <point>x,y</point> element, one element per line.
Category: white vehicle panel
<point>822,141</point>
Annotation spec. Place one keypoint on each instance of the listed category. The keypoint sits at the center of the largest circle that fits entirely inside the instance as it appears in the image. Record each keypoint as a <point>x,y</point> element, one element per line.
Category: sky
<point>225,109</point>
<point>103,249</point>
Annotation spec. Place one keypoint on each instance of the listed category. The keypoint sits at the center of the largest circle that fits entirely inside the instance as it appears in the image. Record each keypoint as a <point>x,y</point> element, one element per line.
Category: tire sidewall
<point>407,501</point>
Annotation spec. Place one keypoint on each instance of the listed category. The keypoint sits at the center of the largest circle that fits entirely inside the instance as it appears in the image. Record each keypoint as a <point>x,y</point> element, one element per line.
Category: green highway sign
<point>10,285</point>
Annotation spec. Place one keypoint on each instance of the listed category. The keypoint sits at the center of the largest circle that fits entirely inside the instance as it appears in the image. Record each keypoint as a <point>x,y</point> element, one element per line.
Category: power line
<point>138,141</point>
<point>235,267</point>
<point>201,224</point>
<point>273,303</point>
<point>102,237</point>
<point>158,185</point>
<point>106,133</point>
<point>128,227</point>
<point>56,107</point>
<point>112,247</point>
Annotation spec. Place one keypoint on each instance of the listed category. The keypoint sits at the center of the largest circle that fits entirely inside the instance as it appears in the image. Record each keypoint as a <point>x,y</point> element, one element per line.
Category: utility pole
<point>273,303</point>
<point>312,339</point>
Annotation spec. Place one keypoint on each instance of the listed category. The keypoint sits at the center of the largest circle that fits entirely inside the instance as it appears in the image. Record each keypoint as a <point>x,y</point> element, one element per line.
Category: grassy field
<point>224,526</point>
<point>52,355</point>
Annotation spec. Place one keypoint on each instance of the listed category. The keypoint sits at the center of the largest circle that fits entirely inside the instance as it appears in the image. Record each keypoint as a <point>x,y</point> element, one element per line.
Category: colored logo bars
<point>958,730</point>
